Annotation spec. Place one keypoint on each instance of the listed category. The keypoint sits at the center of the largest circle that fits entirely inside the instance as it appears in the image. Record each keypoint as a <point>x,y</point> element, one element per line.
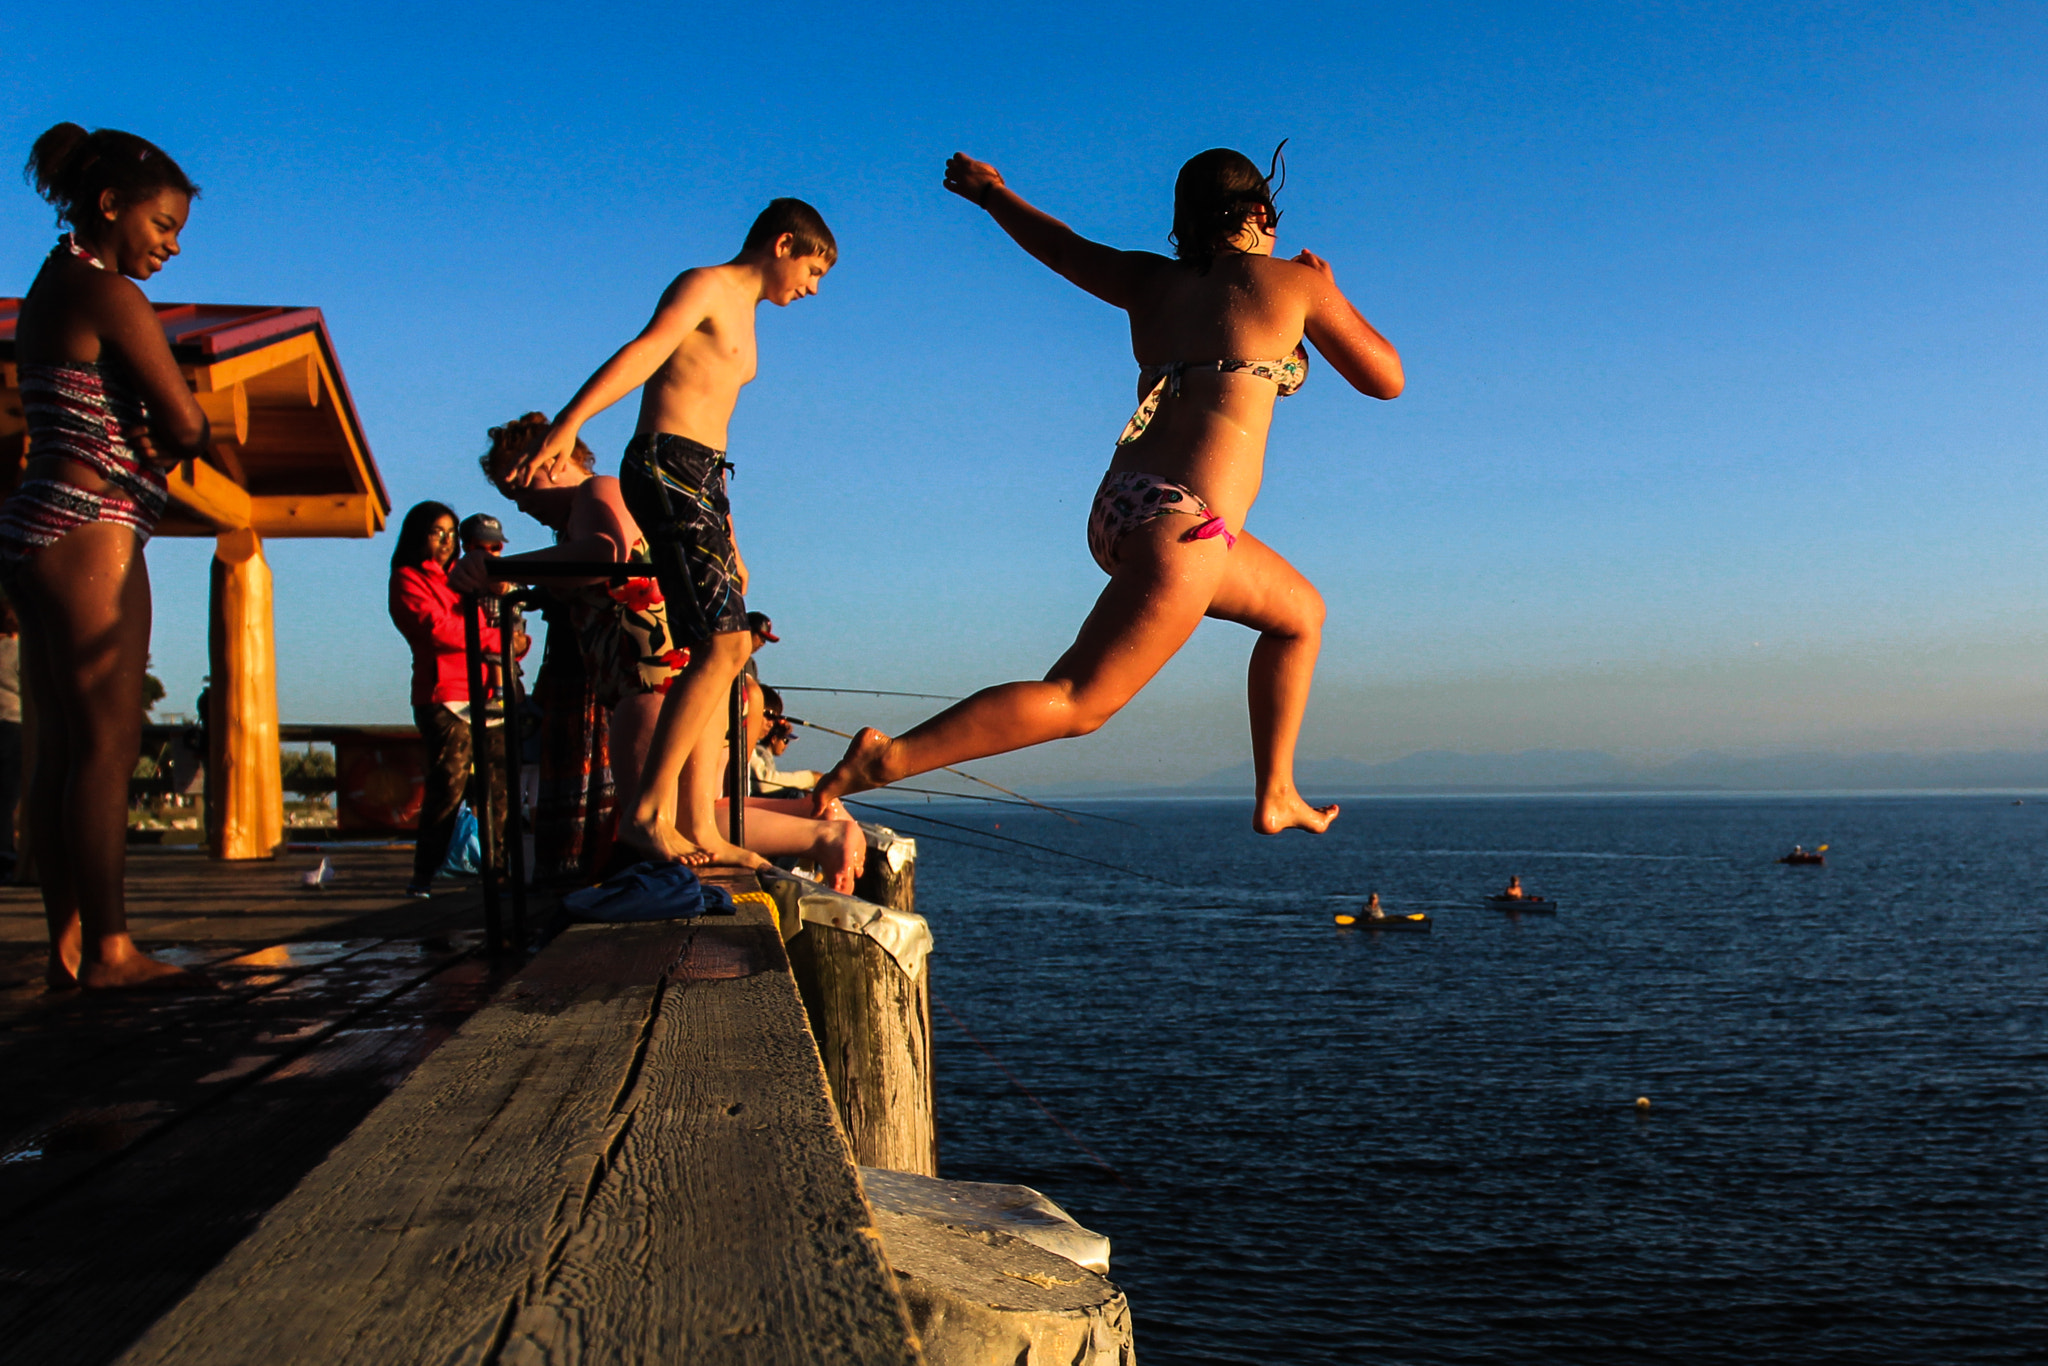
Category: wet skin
<point>84,601</point>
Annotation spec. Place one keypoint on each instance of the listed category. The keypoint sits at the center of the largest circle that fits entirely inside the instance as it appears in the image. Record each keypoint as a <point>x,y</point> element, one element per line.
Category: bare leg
<point>1154,602</point>
<point>837,846</point>
<point>1269,595</point>
<point>631,735</point>
<point>84,603</point>
<point>695,701</point>
<point>703,780</point>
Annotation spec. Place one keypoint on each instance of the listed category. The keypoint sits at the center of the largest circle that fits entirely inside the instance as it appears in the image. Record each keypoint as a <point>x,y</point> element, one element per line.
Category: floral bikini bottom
<point>1127,501</point>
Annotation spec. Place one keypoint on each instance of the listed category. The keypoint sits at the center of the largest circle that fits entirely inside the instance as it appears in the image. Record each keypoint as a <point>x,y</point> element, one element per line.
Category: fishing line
<point>868,692</point>
<point>1025,1091</point>
<point>1003,801</point>
<point>991,835</point>
<point>956,772</point>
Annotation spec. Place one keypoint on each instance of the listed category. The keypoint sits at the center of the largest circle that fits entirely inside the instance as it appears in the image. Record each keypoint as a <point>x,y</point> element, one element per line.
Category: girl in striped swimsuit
<point>106,410</point>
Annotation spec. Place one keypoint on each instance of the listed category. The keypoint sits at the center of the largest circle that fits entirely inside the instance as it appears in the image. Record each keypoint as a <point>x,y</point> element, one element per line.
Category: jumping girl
<point>1217,332</point>
<point>107,414</point>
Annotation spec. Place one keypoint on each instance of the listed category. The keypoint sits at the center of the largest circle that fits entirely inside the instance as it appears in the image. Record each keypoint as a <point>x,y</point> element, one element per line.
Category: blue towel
<point>649,891</point>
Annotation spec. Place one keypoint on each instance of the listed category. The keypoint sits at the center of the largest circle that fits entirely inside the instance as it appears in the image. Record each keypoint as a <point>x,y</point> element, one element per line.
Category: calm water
<point>1339,1146</point>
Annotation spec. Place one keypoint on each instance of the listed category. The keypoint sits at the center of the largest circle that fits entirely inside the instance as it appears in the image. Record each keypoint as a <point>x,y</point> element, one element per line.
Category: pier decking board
<point>629,1155</point>
<point>143,1137</point>
<point>87,1274</point>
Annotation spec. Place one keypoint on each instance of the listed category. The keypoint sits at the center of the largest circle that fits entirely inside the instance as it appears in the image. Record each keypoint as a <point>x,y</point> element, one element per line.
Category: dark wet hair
<point>805,225</point>
<point>1215,192</point>
<point>411,549</point>
<point>515,439</point>
<point>72,168</point>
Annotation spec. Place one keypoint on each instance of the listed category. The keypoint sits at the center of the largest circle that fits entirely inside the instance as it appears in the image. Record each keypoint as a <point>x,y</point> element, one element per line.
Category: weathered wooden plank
<point>728,1225</point>
<point>143,1065</point>
<point>84,1275</point>
<point>430,1223</point>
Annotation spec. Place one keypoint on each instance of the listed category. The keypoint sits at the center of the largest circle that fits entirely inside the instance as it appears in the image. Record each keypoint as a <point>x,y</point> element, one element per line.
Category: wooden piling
<point>873,1022</point>
<point>890,876</point>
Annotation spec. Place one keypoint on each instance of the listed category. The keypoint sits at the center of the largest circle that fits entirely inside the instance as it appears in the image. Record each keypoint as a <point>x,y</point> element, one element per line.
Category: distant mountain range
<point>1586,770</point>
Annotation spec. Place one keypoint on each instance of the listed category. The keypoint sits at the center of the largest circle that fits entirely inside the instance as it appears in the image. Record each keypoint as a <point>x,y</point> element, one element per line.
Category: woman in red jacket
<point>425,610</point>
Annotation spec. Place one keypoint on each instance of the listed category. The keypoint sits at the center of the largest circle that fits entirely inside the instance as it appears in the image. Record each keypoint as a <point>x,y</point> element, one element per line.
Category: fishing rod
<point>1004,801</point>
<point>956,772</point>
<point>869,692</point>
<point>990,835</point>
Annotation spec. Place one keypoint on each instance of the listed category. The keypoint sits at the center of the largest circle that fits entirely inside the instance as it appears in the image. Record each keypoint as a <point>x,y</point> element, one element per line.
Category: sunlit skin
<point>595,525</point>
<point>689,362</point>
<point>1212,438</point>
<point>84,602</point>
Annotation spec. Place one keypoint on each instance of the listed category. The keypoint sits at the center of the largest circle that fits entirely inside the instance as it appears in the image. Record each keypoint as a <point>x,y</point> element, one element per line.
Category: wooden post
<point>873,1023</point>
<point>245,786</point>
<point>890,877</point>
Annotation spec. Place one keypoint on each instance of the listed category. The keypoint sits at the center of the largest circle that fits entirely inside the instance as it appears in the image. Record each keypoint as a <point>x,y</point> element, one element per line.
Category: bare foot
<point>725,853</point>
<point>1287,811</point>
<point>659,843</point>
<point>142,973</point>
<point>843,853</point>
<point>858,770</point>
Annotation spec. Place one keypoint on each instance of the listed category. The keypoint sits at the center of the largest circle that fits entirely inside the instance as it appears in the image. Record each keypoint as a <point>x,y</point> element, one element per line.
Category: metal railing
<point>482,784</point>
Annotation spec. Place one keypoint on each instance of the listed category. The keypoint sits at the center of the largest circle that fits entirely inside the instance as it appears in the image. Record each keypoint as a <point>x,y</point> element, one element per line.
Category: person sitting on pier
<point>763,632</point>
<point>622,631</point>
<point>690,363</point>
<point>1217,334</point>
<point>108,413</point>
<point>768,780</point>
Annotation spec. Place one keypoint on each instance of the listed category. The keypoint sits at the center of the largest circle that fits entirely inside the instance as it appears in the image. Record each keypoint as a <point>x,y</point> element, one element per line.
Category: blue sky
<point>1724,328</point>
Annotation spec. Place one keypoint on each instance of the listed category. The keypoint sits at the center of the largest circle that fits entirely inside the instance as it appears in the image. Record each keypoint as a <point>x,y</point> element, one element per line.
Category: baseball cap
<point>758,623</point>
<point>482,529</point>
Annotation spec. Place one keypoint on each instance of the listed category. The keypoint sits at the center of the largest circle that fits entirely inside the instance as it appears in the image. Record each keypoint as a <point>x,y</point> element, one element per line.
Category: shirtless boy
<point>689,363</point>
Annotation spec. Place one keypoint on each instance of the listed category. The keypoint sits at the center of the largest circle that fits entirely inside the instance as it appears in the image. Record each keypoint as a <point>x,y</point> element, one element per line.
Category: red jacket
<point>425,610</point>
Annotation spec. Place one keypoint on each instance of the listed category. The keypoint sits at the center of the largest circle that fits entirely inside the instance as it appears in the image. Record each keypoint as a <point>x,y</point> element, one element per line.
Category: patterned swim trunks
<point>675,489</point>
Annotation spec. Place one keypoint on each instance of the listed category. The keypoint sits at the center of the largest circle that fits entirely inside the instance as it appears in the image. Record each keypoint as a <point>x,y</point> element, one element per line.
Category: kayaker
<point>1513,891</point>
<point>1372,907</point>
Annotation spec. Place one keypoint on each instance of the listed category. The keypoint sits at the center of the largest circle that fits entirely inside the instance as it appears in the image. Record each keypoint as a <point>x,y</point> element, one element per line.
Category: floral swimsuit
<point>1128,500</point>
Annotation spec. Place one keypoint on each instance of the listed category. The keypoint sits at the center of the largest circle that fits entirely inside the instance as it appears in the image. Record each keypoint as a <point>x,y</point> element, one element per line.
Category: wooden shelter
<point>288,459</point>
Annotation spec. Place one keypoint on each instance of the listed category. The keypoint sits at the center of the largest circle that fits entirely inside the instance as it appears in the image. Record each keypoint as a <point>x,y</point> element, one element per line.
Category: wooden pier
<point>372,1146</point>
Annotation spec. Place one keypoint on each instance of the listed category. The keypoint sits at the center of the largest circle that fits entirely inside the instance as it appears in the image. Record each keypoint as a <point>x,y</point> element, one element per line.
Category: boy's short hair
<point>805,225</point>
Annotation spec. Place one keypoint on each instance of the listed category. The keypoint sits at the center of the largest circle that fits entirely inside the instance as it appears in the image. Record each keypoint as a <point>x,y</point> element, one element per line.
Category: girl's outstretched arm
<point>1340,332</point>
<point>1110,275</point>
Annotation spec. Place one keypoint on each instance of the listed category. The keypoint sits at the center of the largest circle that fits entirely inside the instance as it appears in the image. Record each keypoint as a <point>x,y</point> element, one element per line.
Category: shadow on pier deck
<point>141,1139</point>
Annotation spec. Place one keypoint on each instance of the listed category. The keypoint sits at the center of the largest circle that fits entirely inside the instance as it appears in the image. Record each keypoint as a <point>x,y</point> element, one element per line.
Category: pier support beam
<point>244,787</point>
<point>873,1023</point>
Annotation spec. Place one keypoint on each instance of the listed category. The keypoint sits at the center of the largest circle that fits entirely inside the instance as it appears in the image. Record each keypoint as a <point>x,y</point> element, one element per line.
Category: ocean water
<point>1318,1144</point>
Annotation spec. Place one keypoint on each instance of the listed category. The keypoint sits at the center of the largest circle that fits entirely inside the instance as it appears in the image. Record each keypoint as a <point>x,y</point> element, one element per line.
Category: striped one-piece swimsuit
<point>79,411</point>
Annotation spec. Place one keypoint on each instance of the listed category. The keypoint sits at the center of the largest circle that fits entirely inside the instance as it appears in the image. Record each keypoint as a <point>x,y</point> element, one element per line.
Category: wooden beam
<point>208,497</point>
<point>228,412</point>
<point>245,788</point>
<point>338,514</point>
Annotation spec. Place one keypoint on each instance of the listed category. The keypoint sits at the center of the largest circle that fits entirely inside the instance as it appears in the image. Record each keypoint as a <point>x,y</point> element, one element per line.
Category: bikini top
<point>83,411</point>
<point>1288,375</point>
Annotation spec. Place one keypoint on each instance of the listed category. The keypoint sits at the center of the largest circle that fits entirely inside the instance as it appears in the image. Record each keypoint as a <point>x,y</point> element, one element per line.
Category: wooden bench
<point>629,1155</point>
